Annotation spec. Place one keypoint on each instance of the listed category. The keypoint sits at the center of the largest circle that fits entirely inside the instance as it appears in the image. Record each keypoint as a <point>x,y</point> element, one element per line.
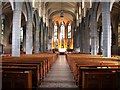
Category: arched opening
<point>69,35</point>
<point>62,34</point>
<point>6,27</point>
<point>115,20</point>
<point>56,35</point>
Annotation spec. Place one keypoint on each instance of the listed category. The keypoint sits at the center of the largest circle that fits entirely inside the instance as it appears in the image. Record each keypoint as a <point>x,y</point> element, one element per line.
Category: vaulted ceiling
<point>69,11</point>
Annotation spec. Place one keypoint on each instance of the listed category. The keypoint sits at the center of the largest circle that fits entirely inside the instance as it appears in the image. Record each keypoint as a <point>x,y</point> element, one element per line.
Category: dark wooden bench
<point>99,78</point>
<point>85,67</point>
<point>16,79</point>
<point>38,64</point>
<point>43,62</point>
<point>35,72</point>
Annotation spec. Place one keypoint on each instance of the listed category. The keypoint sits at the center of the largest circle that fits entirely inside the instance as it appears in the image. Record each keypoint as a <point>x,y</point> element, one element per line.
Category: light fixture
<point>61,13</point>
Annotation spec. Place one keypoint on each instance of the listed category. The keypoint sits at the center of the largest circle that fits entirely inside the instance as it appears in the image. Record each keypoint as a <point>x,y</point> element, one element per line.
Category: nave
<point>74,70</point>
<point>87,33</point>
<point>60,75</point>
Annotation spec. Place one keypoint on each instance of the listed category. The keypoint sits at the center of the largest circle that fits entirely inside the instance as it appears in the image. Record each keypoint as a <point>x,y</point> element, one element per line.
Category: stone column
<point>58,33</point>
<point>36,40</point>
<point>44,38</point>
<point>66,35</point>
<point>0,21</point>
<point>106,27</point>
<point>82,36</point>
<point>16,29</point>
<point>24,39</point>
<point>29,34</point>
<point>6,36</point>
<point>75,39</point>
<point>47,38</point>
<point>0,27</point>
<point>72,33</point>
<point>0,41</point>
<point>47,35</point>
<point>100,32</point>
<point>87,36</point>
<point>74,36</point>
<point>41,32</point>
<point>53,44</point>
<point>50,34</point>
<point>78,34</point>
<point>94,34</point>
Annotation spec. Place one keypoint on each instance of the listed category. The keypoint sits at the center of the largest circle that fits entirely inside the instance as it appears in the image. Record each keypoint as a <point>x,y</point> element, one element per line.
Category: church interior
<point>60,44</point>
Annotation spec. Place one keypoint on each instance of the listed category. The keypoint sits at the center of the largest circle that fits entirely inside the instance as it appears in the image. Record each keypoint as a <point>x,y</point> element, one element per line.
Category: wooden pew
<point>35,71</point>
<point>84,66</point>
<point>39,64</point>
<point>39,71</point>
<point>16,79</point>
<point>98,78</point>
<point>44,67</point>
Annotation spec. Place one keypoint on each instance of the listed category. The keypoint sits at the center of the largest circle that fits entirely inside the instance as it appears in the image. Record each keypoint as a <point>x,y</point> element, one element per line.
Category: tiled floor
<point>59,76</point>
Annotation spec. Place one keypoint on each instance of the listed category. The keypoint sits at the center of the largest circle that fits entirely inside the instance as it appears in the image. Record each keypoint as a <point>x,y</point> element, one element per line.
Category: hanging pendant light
<point>61,13</point>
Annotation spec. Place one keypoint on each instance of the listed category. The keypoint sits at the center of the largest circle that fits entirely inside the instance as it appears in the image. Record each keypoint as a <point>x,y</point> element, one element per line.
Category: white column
<point>0,21</point>
<point>16,29</point>
<point>47,38</point>
<point>87,35</point>
<point>0,28</point>
<point>44,37</point>
<point>24,40</point>
<point>82,35</point>
<point>29,34</point>
<point>94,34</point>
<point>106,27</point>
<point>41,32</point>
<point>36,42</point>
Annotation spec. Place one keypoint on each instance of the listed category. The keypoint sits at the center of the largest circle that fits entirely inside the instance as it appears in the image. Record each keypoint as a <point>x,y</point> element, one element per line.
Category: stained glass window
<point>21,34</point>
<point>2,32</point>
<point>62,31</point>
<point>55,32</point>
<point>69,31</point>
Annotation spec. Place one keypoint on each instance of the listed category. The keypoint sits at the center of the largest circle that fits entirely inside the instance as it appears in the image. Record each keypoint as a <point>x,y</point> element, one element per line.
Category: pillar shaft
<point>58,33</point>
<point>87,36</point>
<point>0,21</point>
<point>36,41</point>
<point>71,41</point>
<point>0,27</point>
<point>16,29</point>
<point>73,33</point>
<point>100,32</point>
<point>41,38</point>
<point>82,37</point>
<point>77,37</point>
<point>94,34</point>
<point>44,38</point>
<point>106,29</point>
<point>47,38</point>
<point>29,37</point>
<point>24,41</point>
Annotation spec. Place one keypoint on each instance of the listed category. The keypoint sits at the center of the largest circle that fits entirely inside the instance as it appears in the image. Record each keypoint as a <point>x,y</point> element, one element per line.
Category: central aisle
<point>59,76</point>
